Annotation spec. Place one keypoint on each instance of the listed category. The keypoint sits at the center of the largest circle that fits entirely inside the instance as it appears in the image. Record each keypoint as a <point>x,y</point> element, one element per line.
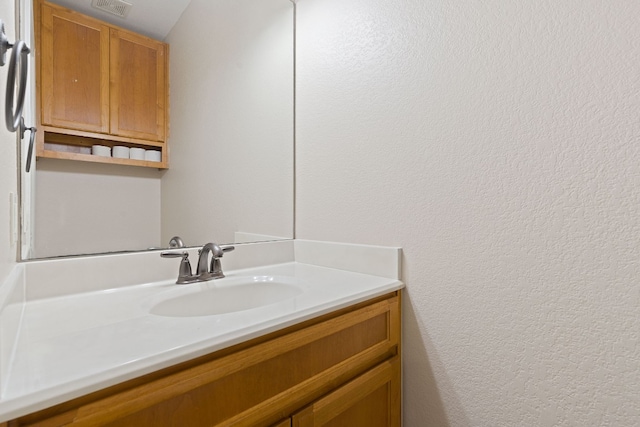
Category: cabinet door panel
<point>371,400</point>
<point>138,86</point>
<point>75,71</point>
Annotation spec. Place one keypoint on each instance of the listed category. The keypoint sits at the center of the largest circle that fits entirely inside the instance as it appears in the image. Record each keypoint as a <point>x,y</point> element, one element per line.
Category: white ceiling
<point>153,18</point>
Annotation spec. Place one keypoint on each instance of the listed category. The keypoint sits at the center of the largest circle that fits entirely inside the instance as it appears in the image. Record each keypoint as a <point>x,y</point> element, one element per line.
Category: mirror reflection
<point>229,151</point>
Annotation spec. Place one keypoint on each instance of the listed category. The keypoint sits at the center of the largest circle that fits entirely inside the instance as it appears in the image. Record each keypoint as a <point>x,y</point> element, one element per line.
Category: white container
<point>153,155</point>
<point>136,153</point>
<point>120,152</point>
<point>101,150</point>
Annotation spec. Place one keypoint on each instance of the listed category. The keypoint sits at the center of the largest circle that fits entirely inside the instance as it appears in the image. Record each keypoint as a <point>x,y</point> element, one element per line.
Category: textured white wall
<point>231,143</point>
<point>498,143</point>
<point>84,208</point>
<point>8,176</point>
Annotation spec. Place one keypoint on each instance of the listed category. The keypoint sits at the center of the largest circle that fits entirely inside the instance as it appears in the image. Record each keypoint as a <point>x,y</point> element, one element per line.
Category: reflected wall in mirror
<point>230,175</point>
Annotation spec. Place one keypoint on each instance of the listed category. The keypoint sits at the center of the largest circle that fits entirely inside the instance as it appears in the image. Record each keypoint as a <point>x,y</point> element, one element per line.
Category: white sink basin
<point>228,295</point>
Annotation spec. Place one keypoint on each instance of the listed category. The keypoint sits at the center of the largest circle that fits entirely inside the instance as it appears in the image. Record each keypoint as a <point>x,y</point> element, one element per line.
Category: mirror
<point>230,176</point>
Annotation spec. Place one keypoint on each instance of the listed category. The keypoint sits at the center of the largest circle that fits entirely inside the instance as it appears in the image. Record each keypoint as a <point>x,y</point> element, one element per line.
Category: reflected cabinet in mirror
<point>227,171</point>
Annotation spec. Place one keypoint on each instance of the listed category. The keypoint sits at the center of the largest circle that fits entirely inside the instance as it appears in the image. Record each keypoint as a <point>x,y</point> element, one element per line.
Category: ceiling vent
<point>116,7</point>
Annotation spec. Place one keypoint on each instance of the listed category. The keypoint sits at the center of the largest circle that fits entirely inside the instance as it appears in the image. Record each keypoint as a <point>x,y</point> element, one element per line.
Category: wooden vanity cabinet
<point>341,369</point>
<point>98,84</point>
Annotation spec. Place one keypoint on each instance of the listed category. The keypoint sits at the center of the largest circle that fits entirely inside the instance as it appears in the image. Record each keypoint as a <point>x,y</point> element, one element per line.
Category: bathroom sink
<point>228,295</point>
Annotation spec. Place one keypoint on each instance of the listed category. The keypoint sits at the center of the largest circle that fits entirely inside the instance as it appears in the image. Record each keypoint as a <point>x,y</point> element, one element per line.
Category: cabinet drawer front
<point>259,385</point>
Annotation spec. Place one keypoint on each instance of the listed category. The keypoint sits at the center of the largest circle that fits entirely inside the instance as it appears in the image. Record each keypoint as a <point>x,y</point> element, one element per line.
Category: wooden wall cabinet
<point>98,84</point>
<point>342,369</point>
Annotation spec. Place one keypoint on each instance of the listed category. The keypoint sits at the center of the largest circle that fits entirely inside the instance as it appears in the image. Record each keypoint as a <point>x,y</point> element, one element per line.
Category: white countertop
<point>72,345</point>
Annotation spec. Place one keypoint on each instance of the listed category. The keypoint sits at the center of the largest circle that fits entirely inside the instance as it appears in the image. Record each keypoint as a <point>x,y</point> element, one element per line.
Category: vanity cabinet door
<point>138,86</point>
<point>371,400</point>
<point>74,71</point>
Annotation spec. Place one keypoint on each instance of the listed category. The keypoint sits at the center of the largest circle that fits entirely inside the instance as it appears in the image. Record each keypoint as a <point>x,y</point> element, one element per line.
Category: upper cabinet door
<point>75,71</point>
<point>138,86</point>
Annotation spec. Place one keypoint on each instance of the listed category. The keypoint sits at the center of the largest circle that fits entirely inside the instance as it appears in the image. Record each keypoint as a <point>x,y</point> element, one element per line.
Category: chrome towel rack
<point>13,110</point>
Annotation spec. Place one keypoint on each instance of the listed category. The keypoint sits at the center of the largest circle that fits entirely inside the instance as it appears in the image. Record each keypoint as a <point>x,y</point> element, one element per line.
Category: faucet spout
<point>209,248</point>
<point>206,271</point>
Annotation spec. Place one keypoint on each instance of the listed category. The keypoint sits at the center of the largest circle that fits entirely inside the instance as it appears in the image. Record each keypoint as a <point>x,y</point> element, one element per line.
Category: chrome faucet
<point>204,271</point>
<point>214,271</point>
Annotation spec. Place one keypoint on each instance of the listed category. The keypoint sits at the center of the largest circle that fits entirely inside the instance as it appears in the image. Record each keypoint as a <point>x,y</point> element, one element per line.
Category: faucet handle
<point>184,272</point>
<point>215,269</point>
<point>169,254</point>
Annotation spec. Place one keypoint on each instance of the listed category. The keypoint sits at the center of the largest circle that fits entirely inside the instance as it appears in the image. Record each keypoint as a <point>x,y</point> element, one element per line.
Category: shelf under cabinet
<point>74,138</point>
<point>49,154</point>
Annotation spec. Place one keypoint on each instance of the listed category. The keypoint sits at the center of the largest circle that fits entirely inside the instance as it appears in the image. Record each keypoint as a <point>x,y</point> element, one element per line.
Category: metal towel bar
<point>19,56</point>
